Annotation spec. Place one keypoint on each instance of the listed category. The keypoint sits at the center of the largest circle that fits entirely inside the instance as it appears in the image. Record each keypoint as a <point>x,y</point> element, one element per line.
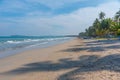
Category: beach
<point>73,60</point>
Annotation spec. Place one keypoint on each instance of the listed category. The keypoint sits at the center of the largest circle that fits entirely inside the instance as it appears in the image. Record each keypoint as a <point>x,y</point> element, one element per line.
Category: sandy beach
<point>73,60</point>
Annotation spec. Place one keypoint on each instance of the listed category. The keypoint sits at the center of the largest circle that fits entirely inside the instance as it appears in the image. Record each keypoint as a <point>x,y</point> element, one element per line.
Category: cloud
<point>55,3</point>
<point>19,8</point>
<point>23,8</point>
<point>71,23</point>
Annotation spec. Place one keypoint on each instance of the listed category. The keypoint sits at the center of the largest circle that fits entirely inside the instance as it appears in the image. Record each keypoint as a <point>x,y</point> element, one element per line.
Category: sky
<point>51,17</point>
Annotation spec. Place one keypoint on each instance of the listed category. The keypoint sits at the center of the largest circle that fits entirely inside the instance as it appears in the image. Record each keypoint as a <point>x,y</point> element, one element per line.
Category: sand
<point>74,60</point>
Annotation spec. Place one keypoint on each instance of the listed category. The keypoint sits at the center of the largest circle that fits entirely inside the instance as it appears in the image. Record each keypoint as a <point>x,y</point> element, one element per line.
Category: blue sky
<point>51,17</point>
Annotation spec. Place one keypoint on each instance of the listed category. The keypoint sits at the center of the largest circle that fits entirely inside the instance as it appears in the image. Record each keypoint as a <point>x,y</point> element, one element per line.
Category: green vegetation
<point>104,27</point>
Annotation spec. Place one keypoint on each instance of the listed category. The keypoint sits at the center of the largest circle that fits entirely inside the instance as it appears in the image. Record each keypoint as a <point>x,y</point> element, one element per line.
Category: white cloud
<point>72,23</point>
<point>78,20</point>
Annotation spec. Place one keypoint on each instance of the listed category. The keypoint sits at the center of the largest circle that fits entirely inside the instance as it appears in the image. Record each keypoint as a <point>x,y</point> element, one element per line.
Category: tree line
<point>104,27</point>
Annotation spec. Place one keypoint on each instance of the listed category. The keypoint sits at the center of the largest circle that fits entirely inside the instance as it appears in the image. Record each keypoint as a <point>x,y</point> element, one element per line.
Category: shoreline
<point>26,57</point>
<point>17,51</point>
<point>73,60</point>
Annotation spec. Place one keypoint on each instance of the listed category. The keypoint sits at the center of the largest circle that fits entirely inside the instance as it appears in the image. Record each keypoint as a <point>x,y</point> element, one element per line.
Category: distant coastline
<point>24,36</point>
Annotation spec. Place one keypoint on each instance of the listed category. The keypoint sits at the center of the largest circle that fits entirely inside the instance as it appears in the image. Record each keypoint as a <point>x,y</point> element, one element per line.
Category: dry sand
<point>73,60</point>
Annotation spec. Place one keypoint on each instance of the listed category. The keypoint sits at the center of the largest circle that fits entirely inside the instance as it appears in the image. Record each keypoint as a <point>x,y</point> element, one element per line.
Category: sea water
<point>10,45</point>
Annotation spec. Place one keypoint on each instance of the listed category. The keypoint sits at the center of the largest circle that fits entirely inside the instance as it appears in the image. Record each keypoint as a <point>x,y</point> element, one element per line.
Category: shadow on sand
<point>85,63</point>
<point>95,46</point>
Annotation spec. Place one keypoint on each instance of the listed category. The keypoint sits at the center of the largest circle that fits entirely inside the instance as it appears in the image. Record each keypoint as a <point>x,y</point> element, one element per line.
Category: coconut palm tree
<point>117,16</point>
<point>101,15</point>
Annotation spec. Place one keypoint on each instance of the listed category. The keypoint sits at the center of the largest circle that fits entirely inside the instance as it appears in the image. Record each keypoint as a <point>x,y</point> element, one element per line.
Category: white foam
<point>13,42</point>
<point>23,41</point>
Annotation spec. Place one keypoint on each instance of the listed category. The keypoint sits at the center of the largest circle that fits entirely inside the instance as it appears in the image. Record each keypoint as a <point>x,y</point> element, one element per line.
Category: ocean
<point>11,45</point>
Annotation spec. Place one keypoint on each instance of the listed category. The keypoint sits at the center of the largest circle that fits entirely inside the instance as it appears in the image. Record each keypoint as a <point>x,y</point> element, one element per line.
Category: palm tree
<point>104,27</point>
<point>101,15</point>
<point>117,16</point>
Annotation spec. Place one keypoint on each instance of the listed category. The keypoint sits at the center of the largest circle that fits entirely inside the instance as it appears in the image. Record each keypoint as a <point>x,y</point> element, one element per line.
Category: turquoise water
<point>9,45</point>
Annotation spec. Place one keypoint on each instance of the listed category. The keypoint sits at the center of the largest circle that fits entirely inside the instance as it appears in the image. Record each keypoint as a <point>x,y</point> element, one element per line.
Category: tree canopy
<point>104,27</point>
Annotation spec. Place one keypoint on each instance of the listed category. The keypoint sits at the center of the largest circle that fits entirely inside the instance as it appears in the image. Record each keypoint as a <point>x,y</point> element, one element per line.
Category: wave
<point>8,45</point>
<point>26,43</point>
<point>22,41</point>
<point>13,42</point>
<point>32,40</point>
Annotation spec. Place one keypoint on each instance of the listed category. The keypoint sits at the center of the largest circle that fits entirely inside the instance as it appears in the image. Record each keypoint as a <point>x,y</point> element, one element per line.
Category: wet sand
<point>74,60</point>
